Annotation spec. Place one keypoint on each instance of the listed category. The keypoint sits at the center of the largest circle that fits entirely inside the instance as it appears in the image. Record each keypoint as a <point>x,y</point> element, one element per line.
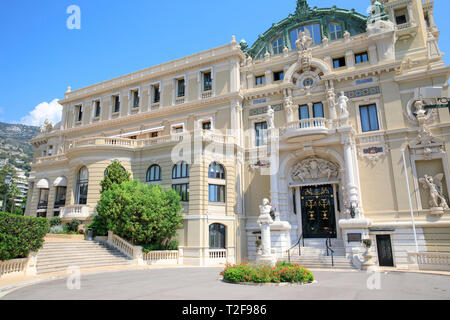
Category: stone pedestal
<point>280,232</point>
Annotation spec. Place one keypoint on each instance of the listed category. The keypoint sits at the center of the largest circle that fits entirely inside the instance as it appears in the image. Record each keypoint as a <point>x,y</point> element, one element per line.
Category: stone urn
<point>367,255</point>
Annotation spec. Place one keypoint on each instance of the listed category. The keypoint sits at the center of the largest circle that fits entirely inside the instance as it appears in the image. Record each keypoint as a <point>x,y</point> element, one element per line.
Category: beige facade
<point>377,75</point>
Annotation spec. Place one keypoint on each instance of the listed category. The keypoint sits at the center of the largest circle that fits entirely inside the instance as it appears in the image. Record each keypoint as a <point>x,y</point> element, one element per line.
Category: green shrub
<point>282,273</point>
<point>55,221</point>
<point>144,215</point>
<point>73,225</point>
<point>21,235</point>
<point>56,229</point>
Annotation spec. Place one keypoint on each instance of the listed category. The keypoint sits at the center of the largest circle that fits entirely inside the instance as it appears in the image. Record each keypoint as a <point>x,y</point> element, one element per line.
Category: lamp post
<point>8,181</point>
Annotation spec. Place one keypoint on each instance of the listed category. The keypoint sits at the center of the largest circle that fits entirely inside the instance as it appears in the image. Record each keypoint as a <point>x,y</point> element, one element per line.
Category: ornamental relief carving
<point>313,169</point>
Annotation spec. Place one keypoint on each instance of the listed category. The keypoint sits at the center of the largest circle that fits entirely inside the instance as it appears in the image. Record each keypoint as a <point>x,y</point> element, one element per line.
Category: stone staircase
<point>314,255</point>
<point>58,256</point>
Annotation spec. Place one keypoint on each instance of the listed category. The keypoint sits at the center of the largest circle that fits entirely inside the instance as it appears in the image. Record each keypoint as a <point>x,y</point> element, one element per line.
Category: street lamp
<point>8,181</point>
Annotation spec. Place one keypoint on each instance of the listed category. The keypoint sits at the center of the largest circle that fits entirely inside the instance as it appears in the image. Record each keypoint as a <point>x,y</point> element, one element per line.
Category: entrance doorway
<point>318,212</point>
<point>384,245</point>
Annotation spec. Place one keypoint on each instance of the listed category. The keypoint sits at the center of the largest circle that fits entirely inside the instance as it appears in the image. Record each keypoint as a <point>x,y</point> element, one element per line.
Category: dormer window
<point>335,31</point>
<point>278,46</point>
<point>156,94</point>
<point>312,30</point>
<point>206,125</point>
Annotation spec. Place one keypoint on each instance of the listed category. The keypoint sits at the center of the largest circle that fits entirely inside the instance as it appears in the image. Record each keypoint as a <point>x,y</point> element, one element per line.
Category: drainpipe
<point>410,201</point>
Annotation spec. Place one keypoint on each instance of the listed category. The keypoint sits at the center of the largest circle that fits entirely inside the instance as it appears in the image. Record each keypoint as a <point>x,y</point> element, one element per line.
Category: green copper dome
<point>318,23</point>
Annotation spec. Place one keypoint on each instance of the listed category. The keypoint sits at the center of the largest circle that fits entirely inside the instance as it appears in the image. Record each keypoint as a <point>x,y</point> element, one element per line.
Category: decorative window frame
<point>131,99</point>
<point>177,125</point>
<point>200,77</point>
<point>75,113</point>
<point>156,105</point>
<point>93,101</point>
<point>175,88</point>
<point>113,114</point>
<point>200,122</point>
<point>366,102</point>
<point>254,120</point>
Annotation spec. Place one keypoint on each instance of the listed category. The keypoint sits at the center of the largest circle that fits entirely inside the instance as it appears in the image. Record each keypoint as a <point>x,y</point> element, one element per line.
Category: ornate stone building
<point>322,114</point>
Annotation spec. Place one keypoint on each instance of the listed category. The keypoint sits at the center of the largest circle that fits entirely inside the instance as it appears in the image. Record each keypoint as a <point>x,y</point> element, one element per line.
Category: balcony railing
<point>309,129</point>
<point>75,212</point>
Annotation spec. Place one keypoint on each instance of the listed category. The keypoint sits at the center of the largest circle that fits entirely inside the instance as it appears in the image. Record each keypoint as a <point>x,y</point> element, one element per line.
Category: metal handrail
<point>299,247</point>
<point>329,244</point>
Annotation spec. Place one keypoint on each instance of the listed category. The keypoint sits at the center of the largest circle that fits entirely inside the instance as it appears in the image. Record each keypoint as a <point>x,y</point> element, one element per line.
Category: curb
<point>283,284</point>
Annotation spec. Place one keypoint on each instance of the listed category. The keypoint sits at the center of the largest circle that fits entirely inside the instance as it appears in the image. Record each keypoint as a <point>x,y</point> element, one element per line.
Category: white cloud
<point>51,111</point>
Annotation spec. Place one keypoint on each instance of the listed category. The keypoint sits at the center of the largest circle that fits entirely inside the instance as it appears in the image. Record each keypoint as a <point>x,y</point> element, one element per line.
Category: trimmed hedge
<point>21,235</point>
<point>282,273</point>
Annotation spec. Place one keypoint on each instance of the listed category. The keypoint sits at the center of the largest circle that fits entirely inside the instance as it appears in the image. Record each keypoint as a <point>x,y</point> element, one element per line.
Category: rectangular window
<point>217,193</point>
<point>156,94</point>
<point>260,80</point>
<point>60,200</point>
<point>136,99</point>
<point>155,134</point>
<point>261,133</point>
<point>79,110</point>
<point>180,88</point>
<point>318,110</point>
<point>206,125</point>
<point>339,62</point>
<point>278,76</point>
<point>335,31</point>
<point>303,112</point>
<point>43,198</point>
<point>278,46</point>
<point>97,109</point>
<point>361,57</point>
<point>116,106</point>
<point>182,190</point>
<point>369,118</point>
<point>207,81</point>
<point>178,129</point>
<point>401,16</point>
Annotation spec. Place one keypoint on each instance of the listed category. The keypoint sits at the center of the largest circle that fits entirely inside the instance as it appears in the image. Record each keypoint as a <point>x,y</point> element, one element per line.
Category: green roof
<point>348,20</point>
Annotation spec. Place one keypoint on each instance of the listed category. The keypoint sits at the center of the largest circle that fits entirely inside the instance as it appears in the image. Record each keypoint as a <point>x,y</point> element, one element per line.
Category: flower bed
<point>281,273</point>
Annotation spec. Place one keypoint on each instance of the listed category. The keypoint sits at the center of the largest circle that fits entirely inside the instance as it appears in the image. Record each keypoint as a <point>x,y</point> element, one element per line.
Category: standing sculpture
<point>331,98</point>
<point>265,221</point>
<point>343,108</point>
<point>433,185</point>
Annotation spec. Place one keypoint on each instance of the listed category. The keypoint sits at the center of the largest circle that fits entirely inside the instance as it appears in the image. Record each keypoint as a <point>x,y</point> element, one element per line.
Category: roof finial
<point>302,6</point>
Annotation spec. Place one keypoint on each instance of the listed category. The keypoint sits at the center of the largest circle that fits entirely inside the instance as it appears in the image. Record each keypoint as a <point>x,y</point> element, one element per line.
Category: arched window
<point>216,171</point>
<point>217,236</point>
<point>106,170</point>
<point>153,173</point>
<point>82,186</point>
<point>180,170</point>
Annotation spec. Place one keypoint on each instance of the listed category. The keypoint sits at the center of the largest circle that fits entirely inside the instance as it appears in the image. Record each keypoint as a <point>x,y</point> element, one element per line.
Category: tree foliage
<point>114,174</point>
<point>142,214</point>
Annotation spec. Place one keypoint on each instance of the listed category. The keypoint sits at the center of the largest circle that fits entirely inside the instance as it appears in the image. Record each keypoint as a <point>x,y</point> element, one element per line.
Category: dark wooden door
<point>384,245</point>
<point>318,215</point>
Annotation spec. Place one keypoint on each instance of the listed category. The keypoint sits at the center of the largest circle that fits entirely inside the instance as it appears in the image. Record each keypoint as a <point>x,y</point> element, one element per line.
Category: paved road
<point>204,284</point>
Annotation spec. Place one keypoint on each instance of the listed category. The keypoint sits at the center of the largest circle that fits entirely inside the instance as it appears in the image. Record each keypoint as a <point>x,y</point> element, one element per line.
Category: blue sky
<point>40,57</point>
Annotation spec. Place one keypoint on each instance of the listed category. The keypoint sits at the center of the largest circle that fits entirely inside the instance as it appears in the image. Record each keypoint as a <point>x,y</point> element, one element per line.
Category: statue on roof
<point>376,13</point>
<point>302,6</point>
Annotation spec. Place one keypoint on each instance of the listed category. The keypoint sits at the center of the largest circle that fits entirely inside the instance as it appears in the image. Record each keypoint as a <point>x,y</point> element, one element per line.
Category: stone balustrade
<point>75,212</point>
<point>430,260</point>
<point>13,266</point>
<point>217,256</point>
<point>313,128</point>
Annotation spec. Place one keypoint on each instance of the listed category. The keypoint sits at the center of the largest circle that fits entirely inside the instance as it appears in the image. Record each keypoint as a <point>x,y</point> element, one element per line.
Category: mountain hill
<point>14,145</point>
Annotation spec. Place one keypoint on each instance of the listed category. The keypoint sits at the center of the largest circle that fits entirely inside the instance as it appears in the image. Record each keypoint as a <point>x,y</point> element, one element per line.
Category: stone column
<point>352,188</point>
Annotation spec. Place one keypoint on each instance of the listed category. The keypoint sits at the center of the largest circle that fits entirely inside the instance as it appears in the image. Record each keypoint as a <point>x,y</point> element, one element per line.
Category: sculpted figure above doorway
<point>314,168</point>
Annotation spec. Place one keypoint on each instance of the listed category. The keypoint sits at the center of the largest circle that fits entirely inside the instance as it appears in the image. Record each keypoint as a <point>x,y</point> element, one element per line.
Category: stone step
<point>59,268</point>
<point>77,256</point>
